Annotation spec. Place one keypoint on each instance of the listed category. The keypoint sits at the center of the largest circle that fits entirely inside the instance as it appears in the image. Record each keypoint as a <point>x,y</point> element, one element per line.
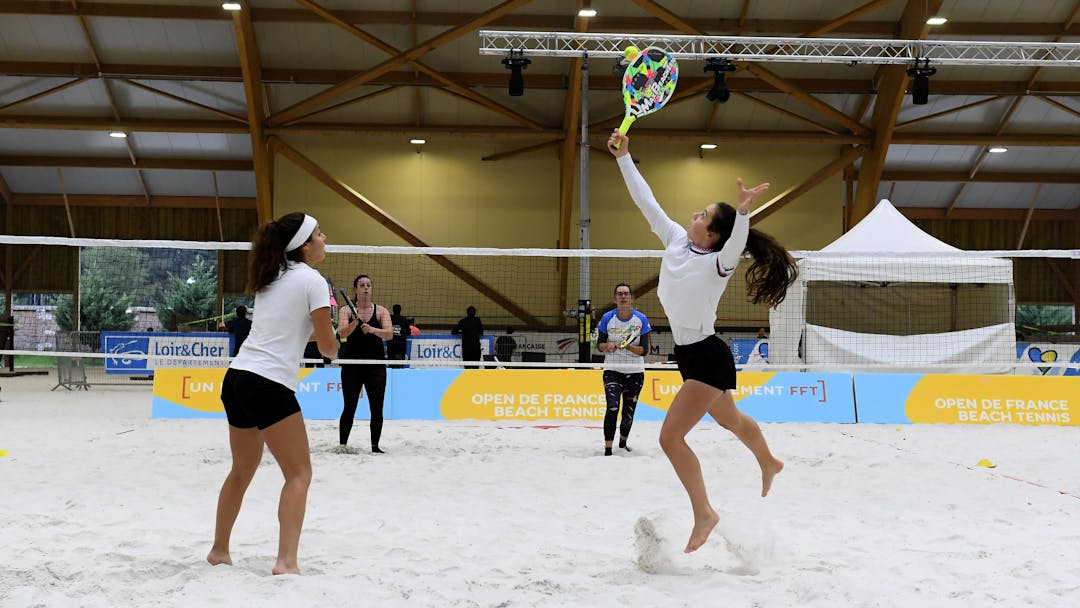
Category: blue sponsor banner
<point>425,349</point>
<point>881,397</point>
<point>164,350</point>
<point>795,396</point>
<point>1047,352</point>
<point>750,351</point>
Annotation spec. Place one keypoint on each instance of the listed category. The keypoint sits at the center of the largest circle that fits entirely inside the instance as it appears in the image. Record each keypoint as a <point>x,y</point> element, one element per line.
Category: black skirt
<point>707,361</point>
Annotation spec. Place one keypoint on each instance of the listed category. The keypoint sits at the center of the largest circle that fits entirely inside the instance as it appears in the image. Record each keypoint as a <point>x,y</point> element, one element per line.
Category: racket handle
<point>625,126</point>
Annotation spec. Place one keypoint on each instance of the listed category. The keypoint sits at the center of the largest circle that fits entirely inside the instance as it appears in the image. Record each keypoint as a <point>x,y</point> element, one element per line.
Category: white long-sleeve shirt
<point>691,282</point>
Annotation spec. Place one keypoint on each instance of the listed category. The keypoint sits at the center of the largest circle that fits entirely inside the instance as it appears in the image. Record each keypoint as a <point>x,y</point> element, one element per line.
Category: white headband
<point>303,234</point>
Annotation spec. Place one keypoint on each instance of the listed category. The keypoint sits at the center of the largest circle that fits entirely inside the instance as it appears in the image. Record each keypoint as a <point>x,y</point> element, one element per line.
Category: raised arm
<point>640,191</point>
<point>736,243</point>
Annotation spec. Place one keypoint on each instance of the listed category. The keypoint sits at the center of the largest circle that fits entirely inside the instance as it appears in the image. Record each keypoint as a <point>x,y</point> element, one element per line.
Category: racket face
<point>630,338</point>
<point>649,81</point>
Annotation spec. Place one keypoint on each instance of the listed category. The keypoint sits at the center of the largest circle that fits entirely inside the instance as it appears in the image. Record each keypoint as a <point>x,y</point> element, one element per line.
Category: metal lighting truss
<point>808,50</point>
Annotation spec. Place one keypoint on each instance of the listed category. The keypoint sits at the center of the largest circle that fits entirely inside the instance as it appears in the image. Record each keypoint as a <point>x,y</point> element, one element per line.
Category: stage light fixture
<point>920,85</point>
<point>719,92</point>
<point>516,61</point>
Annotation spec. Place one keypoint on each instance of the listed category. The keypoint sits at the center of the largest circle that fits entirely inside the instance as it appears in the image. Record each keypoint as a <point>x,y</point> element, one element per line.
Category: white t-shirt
<point>617,330</point>
<point>691,282</point>
<point>282,324</point>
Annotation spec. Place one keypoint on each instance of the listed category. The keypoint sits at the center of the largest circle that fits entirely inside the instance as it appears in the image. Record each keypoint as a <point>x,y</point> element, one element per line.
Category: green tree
<point>1040,315</point>
<point>107,281</point>
<point>191,295</point>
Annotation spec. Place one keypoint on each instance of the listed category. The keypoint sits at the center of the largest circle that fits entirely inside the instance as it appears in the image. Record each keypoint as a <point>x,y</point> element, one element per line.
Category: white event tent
<point>888,296</point>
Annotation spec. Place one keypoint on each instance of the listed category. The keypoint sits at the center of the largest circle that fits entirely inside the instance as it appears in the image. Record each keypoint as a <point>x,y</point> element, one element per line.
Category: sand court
<point>105,507</point>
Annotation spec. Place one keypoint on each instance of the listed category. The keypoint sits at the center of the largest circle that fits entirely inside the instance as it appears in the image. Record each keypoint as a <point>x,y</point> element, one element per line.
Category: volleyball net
<point>150,304</point>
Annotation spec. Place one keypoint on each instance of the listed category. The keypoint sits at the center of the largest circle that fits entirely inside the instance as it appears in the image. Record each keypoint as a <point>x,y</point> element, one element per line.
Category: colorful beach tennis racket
<point>648,83</point>
<point>628,340</point>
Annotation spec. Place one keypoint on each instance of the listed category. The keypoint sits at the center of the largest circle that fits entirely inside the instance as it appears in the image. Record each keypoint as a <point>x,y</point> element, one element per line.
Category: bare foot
<point>281,568</point>
<point>701,531</point>
<point>767,474</point>
<point>216,557</point>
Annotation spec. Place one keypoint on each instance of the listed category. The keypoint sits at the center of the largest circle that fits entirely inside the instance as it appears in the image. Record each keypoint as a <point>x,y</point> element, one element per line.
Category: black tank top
<point>365,346</point>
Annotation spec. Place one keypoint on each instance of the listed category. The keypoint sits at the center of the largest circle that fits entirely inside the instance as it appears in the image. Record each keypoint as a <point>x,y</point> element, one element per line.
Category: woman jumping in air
<point>698,262</point>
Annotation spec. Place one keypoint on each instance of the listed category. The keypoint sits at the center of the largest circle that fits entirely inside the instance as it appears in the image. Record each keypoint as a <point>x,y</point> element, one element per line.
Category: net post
<point>584,320</point>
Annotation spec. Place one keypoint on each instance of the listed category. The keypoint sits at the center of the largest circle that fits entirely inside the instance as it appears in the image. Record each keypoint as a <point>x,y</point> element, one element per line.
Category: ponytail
<point>773,269</point>
<point>268,256</point>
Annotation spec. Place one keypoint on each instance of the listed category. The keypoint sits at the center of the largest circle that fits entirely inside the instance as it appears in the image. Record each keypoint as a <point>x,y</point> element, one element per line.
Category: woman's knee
<point>670,440</point>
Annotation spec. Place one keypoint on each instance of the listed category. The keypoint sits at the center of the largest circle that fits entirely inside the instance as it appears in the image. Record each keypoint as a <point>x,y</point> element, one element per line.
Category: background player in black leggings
<point>624,364</point>
<point>365,343</point>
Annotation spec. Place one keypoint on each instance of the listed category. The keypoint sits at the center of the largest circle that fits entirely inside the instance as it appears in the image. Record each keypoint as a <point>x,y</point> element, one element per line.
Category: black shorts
<point>708,361</point>
<point>251,400</point>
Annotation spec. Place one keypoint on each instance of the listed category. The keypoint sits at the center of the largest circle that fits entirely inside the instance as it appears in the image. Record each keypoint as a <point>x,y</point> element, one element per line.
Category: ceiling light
<point>231,6</point>
<point>587,12</point>
<point>117,134</point>
<point>418,142</point>
<point>708,146</point>
<point>998,150</point>
<point>937,20</point>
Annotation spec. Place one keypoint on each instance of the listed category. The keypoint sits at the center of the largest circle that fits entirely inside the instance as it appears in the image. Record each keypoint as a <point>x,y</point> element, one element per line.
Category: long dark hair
<point>268,256</point>
<point>773,269</point>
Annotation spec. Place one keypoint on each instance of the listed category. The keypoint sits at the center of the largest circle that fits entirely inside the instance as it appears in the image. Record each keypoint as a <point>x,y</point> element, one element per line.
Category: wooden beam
<point>847,17</point>
<point>184,100</point>
<point>740,25</point>
<point>414,53</point>
<point>129,125</point>
<point>110,200</point>
<point>455,86</point>
<point>890,94</point>
<point>955,110</point>
<point>87,123</point>
<point>809,100</point>
<point>1027,218</point>
<point>789,195</point>
<point>1063,279</point>
<point>987,177</point>
<point>45,93</point>
<point>785,112</point>
<point>393,225</point>
<point>1059,105</point>
<point>67,203</point>
<point>348,102</point>
<point>992,214</point>
<point>251,66</point>
<point>517,151</point>
<point>116,162</point>
<point>272,75</point>
<point>9,198</point>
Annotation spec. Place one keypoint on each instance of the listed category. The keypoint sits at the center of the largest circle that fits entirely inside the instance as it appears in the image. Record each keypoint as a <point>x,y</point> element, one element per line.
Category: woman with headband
<point>259,389</point>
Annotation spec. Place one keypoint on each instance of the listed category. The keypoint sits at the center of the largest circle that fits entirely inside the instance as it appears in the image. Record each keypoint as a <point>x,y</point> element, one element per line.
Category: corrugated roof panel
<point>165,41</point>
<point>164,182</point>
<point>41,180</point>
<point>42,38</point>
<point>60,143</point>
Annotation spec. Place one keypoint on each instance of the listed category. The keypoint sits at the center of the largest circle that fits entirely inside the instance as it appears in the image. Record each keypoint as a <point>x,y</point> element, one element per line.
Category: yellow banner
<point>571,395</point>
<point>990,399</point>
